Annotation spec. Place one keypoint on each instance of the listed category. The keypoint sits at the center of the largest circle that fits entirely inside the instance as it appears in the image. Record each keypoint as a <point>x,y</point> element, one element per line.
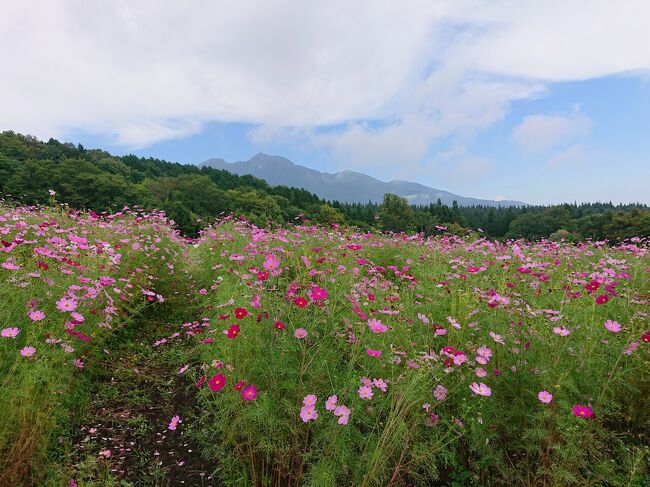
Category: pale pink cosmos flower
<point>27,351</point>
<point>183,369</point>
<point>497,338</point>
<point>105,453</point>
<point>440,392</point>
<point>560,330</point>
<point>36,315</point>
<point>545,396</point>
<point>10,332</point>
<point>365,392</point>
<point>300,333</point>
<point>480,372</point>
<point>613,326</point>
<point>376,326</point>
<point>480,389</point>
<point>78,363</point>
<point>381,384</point>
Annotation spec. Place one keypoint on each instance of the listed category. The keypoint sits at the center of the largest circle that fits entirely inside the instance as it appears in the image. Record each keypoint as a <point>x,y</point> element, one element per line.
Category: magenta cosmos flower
<point>373,353</point>
<point>583,411</point>
<point>318,293</point>
<point>545,396</point>
<point>249,393</point>
<point>377,326</point>
<point>217,382</point>
<point>480,389</point>
<point>613,326</point>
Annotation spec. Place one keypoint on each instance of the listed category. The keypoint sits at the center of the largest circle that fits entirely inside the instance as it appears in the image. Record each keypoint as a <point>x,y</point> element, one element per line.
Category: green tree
<point>395,214</point>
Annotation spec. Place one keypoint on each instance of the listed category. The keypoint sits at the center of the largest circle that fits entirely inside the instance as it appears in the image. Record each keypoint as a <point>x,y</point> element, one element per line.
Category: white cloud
<point>574,155</point>
<point>540,132</point>
<point>147,71</point>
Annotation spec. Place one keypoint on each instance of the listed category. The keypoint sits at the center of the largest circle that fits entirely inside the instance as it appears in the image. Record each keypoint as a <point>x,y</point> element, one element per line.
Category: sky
<point>543,102</point>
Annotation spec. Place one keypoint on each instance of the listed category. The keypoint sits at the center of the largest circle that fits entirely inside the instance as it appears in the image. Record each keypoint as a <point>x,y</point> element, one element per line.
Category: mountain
<point>344,186</point>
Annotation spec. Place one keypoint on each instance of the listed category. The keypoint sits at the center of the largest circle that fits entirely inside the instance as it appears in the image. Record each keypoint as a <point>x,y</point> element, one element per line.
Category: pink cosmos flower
<point>36,315</point>
<point>545,396</point>
<point>330,405</point>
<point>66,304</point>
<point>613,326</point>
<point>560,330</point>
<point>10,332</point>
<point>27,351</point>
<point>480,389</point>
<point>174,422</point>
<point>373,353</point>
<point>343,412</point>
<point>365,392</point>
<point>484,352</point>
<point>440,392</point>
<point>308,413</point>
<point>480,372</point>
<point>377,326</point>
<point>310,400</point>
<point>300,333</point>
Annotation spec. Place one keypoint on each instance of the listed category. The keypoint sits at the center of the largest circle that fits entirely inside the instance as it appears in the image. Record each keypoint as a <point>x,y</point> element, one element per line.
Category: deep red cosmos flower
<point>233,331</point>
<point>240,385</point>
<point>646,337</point>
<point>602,299</point>
<point>280,325</point>
<point>300,302</point>
<point>240,313</point>
<point>217,382</point>
<point>262,275</point>
<point>592,286</point>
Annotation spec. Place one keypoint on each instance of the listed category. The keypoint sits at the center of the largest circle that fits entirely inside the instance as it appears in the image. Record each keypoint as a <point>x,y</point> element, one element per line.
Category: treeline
<point>193,196</point>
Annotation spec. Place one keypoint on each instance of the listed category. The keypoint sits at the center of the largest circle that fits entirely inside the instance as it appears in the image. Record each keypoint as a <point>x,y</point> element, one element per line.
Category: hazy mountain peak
<point>344,186</point>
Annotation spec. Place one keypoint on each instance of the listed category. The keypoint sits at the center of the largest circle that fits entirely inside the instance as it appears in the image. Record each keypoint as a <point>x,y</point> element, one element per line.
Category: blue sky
<point>492,99</point>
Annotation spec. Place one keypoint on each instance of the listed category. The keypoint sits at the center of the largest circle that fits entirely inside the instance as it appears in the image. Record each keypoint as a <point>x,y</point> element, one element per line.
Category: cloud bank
<point>390,77</point>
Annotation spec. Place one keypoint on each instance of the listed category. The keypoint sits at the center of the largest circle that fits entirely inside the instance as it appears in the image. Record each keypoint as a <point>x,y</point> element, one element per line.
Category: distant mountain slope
<point>344,186</point>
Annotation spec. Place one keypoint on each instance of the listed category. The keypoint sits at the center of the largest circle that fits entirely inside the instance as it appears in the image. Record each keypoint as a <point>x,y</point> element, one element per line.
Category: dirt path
<point>125,437</point>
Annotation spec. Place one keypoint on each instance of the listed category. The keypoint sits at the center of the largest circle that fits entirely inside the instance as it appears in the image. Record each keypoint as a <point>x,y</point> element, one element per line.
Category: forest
<point>193,196</point>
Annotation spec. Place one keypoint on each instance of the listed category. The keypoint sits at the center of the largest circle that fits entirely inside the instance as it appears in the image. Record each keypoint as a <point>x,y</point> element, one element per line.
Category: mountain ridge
<point>343,186</point>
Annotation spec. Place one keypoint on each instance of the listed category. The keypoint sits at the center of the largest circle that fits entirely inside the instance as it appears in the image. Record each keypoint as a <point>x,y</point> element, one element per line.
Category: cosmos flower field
<point>324,356</point>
